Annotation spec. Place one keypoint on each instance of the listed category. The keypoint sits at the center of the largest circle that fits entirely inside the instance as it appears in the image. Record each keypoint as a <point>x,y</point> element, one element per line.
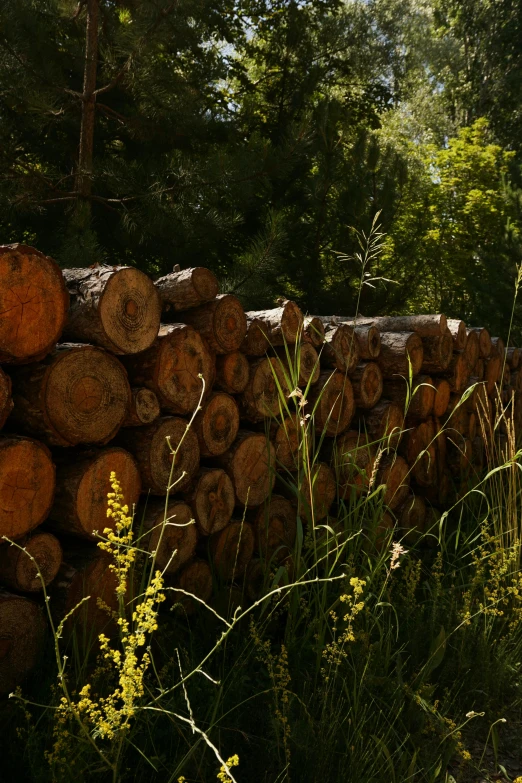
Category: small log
<point>187,288</point>
<point>492,374</point>
<point>396,348</point>
<point>286,440</point>
<point>498,348</point>
<point>484,341</point>
<point>457,372</point>
<point>457,417</point>
<point>255,342</point>
<point>173,538</point>
<point>472,426</point>
<point>423,325</point>
<point>354,463</point>
<point>144,408</point>
<point>513,357</point>
<point>281,325</point>
<point>117,308</point>
<point>422,395</point>
<point>412,518</point>
<point>78,394</point>
<point>27,481</point>
<point>318,492</point>
<point>367,385</point>
<point>6,400</point>
<point>394,474</point>
<point>332,403</point>
<point>472,350</point>
<point>217,424</point>
<point>478,370</point>
<point>340,348</point>
<point>221,322</point>
<point>458,333</point>
<point>232,371</point>
<point>437,352</point>
<point>82,487</point>
<point>369,340</point>
<point>212,500</point>
<point>33,303</point>
<point>22,637</point>
<point>195,578</point>
<point>384,422</point>
<point>231,550</point>
<point>275,529</point>
<point>313,331</point>
<point>303,368</point>
<point>150,448</point>
<point>250,463</point>
<point>17,570</point>
<point>262,395</point>
<point>442,396</point>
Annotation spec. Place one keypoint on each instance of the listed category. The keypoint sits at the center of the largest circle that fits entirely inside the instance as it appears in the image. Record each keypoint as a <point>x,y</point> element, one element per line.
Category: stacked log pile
<point>102,369</point>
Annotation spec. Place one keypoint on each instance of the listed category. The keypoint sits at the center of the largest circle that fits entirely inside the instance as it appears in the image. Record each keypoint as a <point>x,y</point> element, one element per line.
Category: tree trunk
<point>182,290</point>
<point>18,571</point>
<point>333,400</point>
<point>423,325</point>
<point>222,322</point>
<point>384,423</point>
<point>262,395</point>
<point>282,325</point>
<point>144,408</point>
<point>275,529</point>
<point>438,352</point>
<point>22,637</point>
<point>484,341</point>
<point>173,538</point>
<point>458,333</point>
<point>420,404</point>
<point>217,424</point>
<point>231,550</point>
<point>367,385</point>
<point>195,578</point>
<point>6,400</point>
<point>250,463</point>
<point>212,500</point>
<point>232,372</point>
<point>313,331</point>
<point>394,474</point>
<point>396,347</point>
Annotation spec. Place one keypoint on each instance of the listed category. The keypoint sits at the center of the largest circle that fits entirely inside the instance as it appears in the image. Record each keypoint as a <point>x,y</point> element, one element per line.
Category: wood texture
<point>484,341</point>
<point>262,395</point>
<point>187,288</point>
<point>317,492</point>
<point>313,331</point>
<point>394,473</point>
<point>438,352</point>
<point>17,569</point>
<point>6,399</point>
<point>367,384</point>
<point>423,325</point>
<point>442,396</point>
<point>232,370</point>
<point>384,423</point>
<point>275,528</point>
<point>217,424</point>
<point>333,401</point>
<point>250,463</point>
<point>396,347</point>
<point>354,463</point>
<point>194,578</point>
<point>144,408</point>
<point>301,366</point>
<point>416,402</point>
<point>458,333</point>
<point>211,499</point>
<point>172,537</point>
<point>281,324</point>
<point>340,348</point>
<point>22,637</point>
<point>231,550</point>
<point>222,323</point>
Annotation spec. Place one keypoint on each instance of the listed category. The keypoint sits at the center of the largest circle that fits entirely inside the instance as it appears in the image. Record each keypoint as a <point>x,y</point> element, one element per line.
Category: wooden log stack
<point>92,381</point>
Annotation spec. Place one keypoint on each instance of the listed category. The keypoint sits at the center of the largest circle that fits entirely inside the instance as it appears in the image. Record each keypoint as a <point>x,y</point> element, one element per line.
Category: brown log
<point>232,372</point>
<point>151,450</point>
<point>354,463</point>
<point>516,381</point>
<point>459,455</point>
<point>442,396</point>
<point>313,331</point>
<point>78,394</point>
<point>478,370</point>
<point>275,529</point>
<point>369,340</point>
<point>340,348</point>
<point>457,417</point>
<point>472,426</point>
<point>423,325</point>
<point>484,341</point>
<point>212,500</point>
<point>187,288</point>
<point>172,366</point>
<point>457,373</point>
<point>421,397</point>
<point>255,579</point>
<point>383,422</point>
<point>300,367</point>
<point>262,396</point>
<point>412,518</point>
<point>33,304</point>
<point>6,400</point>
<point>117,308</point>
<point>22,637</point>
<point>492,373</point>
<point>281,325</point>
<point>367,385</point>
<point>27,481</point>
<point>82,485</point>
<point>472,350</point>
<point>20,573</point>
<point>195,578</point>
<point>513,357</point>
<point>217,424</point>
<point>286,440</point>
<point>255,342</point>
<point>419,449</point>
<point>332,398</point>
<point>396,347</point>
<point>144,408</point>
<point>394,474</point>
<point>318,491</point>
<point>250,463</point>
<point>232,549</point>
<point>221,322</point>
<point>442,492</point>
<point>458,333</point>
<point>498,348</point>
<point>437,352</point>
<point>172,537</point>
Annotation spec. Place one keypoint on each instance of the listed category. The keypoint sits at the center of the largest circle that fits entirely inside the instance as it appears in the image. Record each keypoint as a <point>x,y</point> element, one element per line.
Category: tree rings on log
<point>195,578</point>
<point>369,340</point>
<point>212,500</point>
<point>27,481</point>
<point>221,322</point>
<point>22,636</point>
<point>250,463</point>
<point>217,424</point>
<point>399,351</point>
<point>313,331</point>
<point>255,342</point>
<point>367,384</point>
<point>187,288</point>
<point>262,395</point>
<point>33,304</point>
<point>412,518</point>
<point>457,372</point>
<point>231,550</point>
<point>174,539</point>
<point>492,372</point>
<point>282,325</point>
<point>438,352</point>
<point>275,529</point>
<point>340,349</point>
<point>144,408</point>
<point>318,491</point>
<point>79,394</point>
<point>19,572</point>
<point>232,371</point>
<point>354,461</point>
<point>6,401</point>
<point>394,474</point>
<point>117,308</point>
<point>332,403</point>
<point>458,333</point>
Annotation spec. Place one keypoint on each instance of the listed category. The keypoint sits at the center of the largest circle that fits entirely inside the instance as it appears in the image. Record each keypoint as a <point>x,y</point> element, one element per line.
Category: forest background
<point>254,136</point>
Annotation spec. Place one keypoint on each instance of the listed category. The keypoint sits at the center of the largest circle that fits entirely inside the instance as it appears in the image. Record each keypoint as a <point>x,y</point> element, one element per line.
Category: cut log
<point>18,571</point>
<point>394,474</point>
<point>419,450</point>
<point>275,529</point>
<point>27,481</point>
<point>472,426</point>
<point>478,370</point>
<point>412,519</point>
<point>457,373</point>
<point>221,322</point>
<point>33,304</point>
<point>78,394</point>
<point>255,342</point>
<point>303,367</point>
<point>173,538</point>
<point>6,400</point>
<point>442,492</point>
<point>117,308</point>
<point>423,325</point>
<point>458,333</point>
<point>212,500</point>
<point>340,348</point>
<point>22,638</point>
<point>313,331</point>
<point>144,408</point>
<point>187,288</point>
<point>438,352</point>
<point>422,395</point>
<point>369,340</point>
<point>153,454</point>
<point>396,347</point>
<point>332,403</point>
<point>516,381</point>
<point>492,373</point>
<point>318,492</point>
<point>232,372</point>
<point>250,463</point>
<point>384,423</point>
<point>280,325</point>
<point>484,341</point>
<point>472,350</point>
<point>498,348</point>
<point>367,385</point>
<point>457,417</point>
<point>262,395</point>
<point>82,486</point>
<point>217,424</point>
<point>442,396</point>
<point>286,440</point>
<point>255,579</point>
<point>354,463</point>
<point>231,550</point>
<point>378,535</point>
<point>459,455</point>
<point>194,578</point>
<point>513,357</point>
<point>172,366</point>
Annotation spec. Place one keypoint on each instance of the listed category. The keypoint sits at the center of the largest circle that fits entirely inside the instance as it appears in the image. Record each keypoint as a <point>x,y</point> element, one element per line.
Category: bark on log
<point>221,322</point>
<point>117,308</point>
<point>472,350</point>
<point>27,481</point>
<point>78,394</point>
<point>396,347</point>
<point>384,422</point>
<point>212,500</point>
<point>187,288</point>
<point>173,538</point>
<point>422,397</point>
<point>437,352</point>
<point>172,366</point>
<point>231,550</point>
<point>275,529</point>
<point>144,408</point>
<point>394,474</point>
<point>423,325</point>
<point>300,367</point>
<point>255,342</point>
<point>340,348</point>
<point>313,331</point>
<point>151,450</point>
<point>33,304</point>
<point>281,325</point>
<point>250,463</point>
<point>367,385</point>
<point>232,370</point>
<point>195,578</point>
<point>217,424</point>
<point>22,637</point>
<point>332,398</point>
<point>6,400</point>
<point>18,571</point>
<point>458,333</point>
<point>513,357</point>
<point>82,486</point>
<point>317,493</point>
<point>261,397</point>
<point>442,396</point>
<point>354,463</point>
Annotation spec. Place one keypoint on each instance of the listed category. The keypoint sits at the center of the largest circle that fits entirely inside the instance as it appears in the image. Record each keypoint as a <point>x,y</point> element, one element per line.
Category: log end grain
<point>250,463</point>
<point>313,331</point>
<point>212,500</point>
<point>217,424</point>
<point>181,290</point>
<point>19,572</point>
<point>195,578</point>
<point>232,372</point>
<point>232,549</point>
<point>144,408</point>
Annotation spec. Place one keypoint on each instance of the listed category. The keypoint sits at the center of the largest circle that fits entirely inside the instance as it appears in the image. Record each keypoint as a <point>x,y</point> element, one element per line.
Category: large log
<point>187,288</point>
<point>82,486</point>
<point>354,462</point>
<point>438,352</point>
<point>399,351</point>
<point>458,333</point>
<point>212,500</point>
<point>250,463</point>
<point>78,394</point>
<point>384,422</point>
<point>442,396</point>
<point>367,385</point>
<point>423,325</point>
<point>275,529</point>
<point>317,492</point>
<point>144,408</point>
<point>117,308</point>
<point>232,370</point>
<point>313,331</point>
<point>217,424</point>
<point>255,342</point>
<point>340,348</point>
<point>231,550</point>
<point>22,637</point>
<point>301,366</point>
<point>194,578</point>
<point>221,322</point>
<point>262,395</point>
<point>17,569</point>
<point>27,481</point>
<point>150,447</point>
<point>484,341</point>
<point>172,538</point>
<point>478,370</point>
<point>416,402</point>
<point>33,304</point>
<point>172,366</point>
<point>6,400</point>
<point>281,324</point>
<point>367,334</point>
<point>331,402</point>
<point>394,474</point>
